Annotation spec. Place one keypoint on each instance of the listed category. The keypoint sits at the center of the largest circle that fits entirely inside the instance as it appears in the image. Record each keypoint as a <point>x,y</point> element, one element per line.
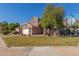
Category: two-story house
<point>33,27</point>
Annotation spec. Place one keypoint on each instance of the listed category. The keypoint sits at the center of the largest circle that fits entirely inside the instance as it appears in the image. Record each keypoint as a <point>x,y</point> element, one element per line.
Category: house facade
<point>33,27</point>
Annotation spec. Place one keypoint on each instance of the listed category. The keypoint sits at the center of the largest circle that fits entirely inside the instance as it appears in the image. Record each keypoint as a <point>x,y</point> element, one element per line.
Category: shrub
<point>15,32</point>
<point>6,32</point>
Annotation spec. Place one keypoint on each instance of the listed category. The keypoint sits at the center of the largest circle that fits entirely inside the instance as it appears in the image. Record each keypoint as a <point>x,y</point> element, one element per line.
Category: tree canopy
<point>6,27</point>
<point>52,16</point>
<point>76,24</point>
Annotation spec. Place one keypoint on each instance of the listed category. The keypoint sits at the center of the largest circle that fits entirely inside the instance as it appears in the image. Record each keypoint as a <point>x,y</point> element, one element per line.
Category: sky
<point>23,12</point>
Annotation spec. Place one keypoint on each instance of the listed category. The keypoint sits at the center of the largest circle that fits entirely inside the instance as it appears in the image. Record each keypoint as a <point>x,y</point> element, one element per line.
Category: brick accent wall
<point>37,30</point>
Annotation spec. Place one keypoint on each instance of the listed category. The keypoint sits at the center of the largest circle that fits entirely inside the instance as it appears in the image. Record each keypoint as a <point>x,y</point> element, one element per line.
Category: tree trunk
<point>57,31</point>
<point>44,31</point>
<point>50,31</point>
<point>54,32</point>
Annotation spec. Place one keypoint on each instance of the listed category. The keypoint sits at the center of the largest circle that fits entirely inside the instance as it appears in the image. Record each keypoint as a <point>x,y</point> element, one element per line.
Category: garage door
<point>26,31</point>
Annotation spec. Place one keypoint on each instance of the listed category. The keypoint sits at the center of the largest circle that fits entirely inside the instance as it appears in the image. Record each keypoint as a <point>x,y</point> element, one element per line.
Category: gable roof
<point>27,25</point>
<point>34,22</point>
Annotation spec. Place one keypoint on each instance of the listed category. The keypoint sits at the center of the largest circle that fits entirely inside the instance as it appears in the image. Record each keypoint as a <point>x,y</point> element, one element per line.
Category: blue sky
<point>23,13</point>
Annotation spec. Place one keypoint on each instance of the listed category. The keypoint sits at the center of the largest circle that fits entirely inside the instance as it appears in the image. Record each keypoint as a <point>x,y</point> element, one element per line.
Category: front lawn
<point>40,41</point>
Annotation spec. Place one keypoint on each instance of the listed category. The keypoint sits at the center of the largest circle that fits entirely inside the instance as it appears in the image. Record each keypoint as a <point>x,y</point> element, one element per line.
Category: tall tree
<point>12,26</point>
<point>4,25</point>
<point>52,17</point>
<point>8,27</point>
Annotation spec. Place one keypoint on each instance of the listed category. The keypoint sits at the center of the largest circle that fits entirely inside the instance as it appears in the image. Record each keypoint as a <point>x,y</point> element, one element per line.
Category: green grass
<point>40,41</point>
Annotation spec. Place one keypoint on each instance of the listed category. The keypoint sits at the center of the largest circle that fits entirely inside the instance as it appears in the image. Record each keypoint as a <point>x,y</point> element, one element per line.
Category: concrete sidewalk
<point>2,43</point>
<point>43,51</point>
<point>40,51</point>
<point>54,51</point>
<point>15,51</point>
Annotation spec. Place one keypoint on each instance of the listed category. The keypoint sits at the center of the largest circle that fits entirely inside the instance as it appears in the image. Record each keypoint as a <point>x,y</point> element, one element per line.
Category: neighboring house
<point>73,28</point>
<point>76,27</point>
<point>33,27</point>
<point>65,23</point>
<point>17,29</point>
